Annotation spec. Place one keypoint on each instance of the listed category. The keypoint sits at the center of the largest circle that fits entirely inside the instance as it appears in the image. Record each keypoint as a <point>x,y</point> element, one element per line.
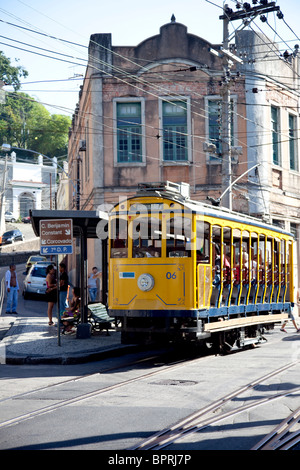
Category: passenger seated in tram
<point>236,274</point>
<point>245,268</point>
<point>254,270</point>
<point>225,264</point>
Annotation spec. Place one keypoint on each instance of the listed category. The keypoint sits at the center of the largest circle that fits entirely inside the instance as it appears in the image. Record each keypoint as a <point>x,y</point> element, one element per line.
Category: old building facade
<point>154,112</point>
<point>28,184</point>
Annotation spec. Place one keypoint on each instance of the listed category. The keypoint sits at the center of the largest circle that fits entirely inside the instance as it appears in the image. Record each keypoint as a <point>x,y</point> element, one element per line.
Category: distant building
<point>29,185</point>
<point>153,112</point>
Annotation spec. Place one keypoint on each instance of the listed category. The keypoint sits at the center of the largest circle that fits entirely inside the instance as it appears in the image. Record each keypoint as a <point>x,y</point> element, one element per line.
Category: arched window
<point>27,203</point>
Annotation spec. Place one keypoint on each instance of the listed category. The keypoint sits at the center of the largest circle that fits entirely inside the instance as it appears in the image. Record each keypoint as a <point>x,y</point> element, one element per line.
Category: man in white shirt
<point>12,289</point>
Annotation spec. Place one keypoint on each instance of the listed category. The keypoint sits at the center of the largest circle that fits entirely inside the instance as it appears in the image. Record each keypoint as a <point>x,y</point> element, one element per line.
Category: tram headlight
<point>145,282</point>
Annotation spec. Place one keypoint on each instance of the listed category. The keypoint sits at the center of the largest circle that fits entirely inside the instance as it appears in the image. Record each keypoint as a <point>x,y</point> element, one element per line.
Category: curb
<point>70,360</point>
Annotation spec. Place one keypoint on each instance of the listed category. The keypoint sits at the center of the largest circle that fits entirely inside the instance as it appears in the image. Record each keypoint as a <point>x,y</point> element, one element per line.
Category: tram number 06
<point>170,275</point>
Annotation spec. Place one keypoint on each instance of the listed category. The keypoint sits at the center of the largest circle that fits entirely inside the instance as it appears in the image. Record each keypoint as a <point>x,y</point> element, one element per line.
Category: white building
<point>29,185</point>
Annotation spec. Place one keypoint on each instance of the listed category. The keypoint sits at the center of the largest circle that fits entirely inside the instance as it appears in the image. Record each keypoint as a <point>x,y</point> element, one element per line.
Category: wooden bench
<point>99,318</point>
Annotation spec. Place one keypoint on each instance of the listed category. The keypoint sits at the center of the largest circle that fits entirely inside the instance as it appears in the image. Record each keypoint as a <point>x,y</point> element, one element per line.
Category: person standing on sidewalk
<point>92,284</point>
<point>51,292</point>
<point>12,289</point>
<point>63,287</point>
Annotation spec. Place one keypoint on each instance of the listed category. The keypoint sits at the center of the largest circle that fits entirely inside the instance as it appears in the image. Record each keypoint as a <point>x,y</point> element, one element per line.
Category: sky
<point>55,83</point>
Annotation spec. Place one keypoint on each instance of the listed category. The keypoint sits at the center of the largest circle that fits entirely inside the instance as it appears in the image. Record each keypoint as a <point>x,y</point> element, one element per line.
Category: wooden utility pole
<point>226,120</point>
<point>2,196</point>
<point>247,13</point>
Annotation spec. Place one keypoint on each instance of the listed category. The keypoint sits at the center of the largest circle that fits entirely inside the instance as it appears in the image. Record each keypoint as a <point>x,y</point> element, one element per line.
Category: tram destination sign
<point>56,237</point>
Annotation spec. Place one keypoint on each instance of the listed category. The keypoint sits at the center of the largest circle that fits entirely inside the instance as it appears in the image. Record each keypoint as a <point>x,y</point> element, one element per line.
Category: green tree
<point>49,135</point>
<point>9,74</point>
<point>14,114</point>
<point>27,124</point>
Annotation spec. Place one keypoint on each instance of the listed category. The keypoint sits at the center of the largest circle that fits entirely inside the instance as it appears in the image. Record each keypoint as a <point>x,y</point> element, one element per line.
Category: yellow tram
<point>181,269</point>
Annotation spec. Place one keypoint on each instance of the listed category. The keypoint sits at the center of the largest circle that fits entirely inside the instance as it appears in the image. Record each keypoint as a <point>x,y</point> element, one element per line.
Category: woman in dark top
<point>51,291</point>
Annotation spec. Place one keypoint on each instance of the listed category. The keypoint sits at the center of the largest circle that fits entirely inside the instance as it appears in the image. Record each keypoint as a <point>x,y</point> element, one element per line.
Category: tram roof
<point>208,210</point>
<point>83,221</point>
<point>224,213</point>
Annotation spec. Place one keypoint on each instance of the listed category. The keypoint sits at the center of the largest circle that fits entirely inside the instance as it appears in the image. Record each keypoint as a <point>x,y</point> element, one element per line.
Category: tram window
<point>226,255</point>
<point>203,242</point>
<point>269,260</point>
<point>146,237</point>
<point>245,257</point>
<point>216,254</point>
<point>178,237</point>
<point>254,257</point>
<point>276,260</point>
<point>236,256</point>
<point>282,262</point>
<point>262,256</point>
<point>289,268</point>
<point>119,238</point>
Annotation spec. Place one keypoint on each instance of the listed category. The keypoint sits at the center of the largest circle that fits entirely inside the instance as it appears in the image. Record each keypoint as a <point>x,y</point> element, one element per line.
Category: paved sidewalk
<point>32,341</point>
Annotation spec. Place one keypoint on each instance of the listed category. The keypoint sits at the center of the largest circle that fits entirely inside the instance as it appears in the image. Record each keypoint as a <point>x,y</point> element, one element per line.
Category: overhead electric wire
<point>42,55</point>
<point>43,34</point>
<point>40,48</point>
<point>77,44</point>
<point>114,77</point>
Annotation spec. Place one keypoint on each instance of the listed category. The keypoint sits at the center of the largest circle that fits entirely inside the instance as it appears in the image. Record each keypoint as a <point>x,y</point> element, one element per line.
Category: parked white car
<point>35,281</point>
<point>9,217</point>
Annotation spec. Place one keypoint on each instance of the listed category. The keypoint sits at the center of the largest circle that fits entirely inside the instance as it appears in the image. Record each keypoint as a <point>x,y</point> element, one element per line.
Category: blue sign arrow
<point>56,250</point>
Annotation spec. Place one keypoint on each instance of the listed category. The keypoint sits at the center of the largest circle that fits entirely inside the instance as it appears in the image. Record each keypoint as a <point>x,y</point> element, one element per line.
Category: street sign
<point>56,236</point>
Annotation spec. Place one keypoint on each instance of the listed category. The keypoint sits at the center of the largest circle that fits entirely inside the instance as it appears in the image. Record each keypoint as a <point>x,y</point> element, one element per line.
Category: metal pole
<point>236,180</point>
<point>226,121</point>
<point>83,329</point>
<point>2,196</point>
<point>58,296</point>
<point>78,184</point>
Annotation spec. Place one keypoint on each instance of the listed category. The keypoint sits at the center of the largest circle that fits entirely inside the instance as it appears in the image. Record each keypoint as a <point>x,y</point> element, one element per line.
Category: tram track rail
<point>202,419</point>
<point>65,402</point>
<point>195,422</point>
<point>283,437</point>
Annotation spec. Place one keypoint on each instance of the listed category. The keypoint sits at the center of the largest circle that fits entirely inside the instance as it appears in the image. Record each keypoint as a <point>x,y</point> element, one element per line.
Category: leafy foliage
<point>25,123</point>
<point>9,74</point>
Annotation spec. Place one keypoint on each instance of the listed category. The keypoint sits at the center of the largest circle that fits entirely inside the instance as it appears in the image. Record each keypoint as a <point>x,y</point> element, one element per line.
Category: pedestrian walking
<point>63,287</point>
<point>12,290</point>
<point>291,317</point>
